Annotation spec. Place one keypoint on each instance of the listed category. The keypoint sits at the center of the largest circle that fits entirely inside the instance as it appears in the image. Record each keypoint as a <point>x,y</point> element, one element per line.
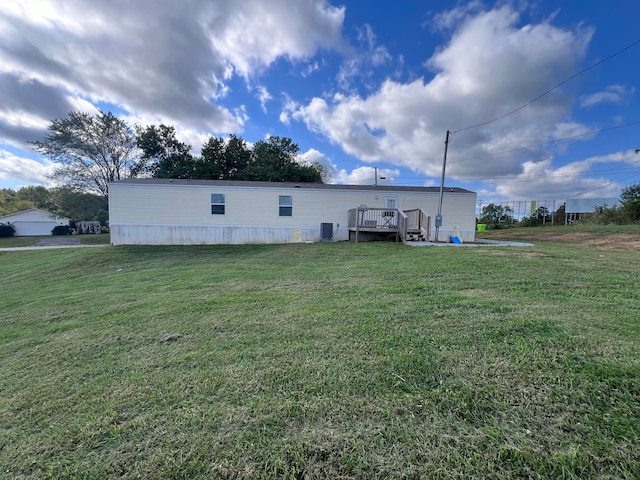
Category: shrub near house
<point>61,230</point>
<point>7,230</point>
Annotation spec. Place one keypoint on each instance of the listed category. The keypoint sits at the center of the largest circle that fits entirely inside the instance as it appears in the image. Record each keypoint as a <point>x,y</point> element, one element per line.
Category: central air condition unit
<point>326,232</point>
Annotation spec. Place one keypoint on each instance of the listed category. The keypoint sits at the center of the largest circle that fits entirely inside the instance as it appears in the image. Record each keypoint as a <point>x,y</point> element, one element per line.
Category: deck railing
<point>391,220</point>
<point>373,218</point>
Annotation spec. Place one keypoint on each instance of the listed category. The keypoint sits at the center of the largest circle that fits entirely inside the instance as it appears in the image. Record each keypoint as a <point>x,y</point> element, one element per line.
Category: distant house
<point>185,212</point>
<point>576,207</point>
<point>34,222</point>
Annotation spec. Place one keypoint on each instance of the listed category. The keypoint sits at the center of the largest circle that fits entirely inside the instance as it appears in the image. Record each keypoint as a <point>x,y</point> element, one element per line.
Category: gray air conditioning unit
<point>326,232</point>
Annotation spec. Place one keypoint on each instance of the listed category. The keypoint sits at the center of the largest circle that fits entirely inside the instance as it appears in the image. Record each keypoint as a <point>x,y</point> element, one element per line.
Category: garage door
<point>26,229</point>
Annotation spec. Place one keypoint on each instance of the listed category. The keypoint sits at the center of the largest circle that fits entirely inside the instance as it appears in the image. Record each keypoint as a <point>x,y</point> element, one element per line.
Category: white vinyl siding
<point>179,213</point>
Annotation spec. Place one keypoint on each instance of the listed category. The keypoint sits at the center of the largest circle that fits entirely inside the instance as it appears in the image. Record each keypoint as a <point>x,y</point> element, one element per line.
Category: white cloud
<point>367,176</point>
<point>264,96</point>
<point>167,62</point>
<point>357,176</point>
<point>170,59</point>
<point>361,63</point>
<point>572,130</point>
<point>31,171</point>
<point>288,108</point>
<point>541,180</point>
<point>611,94</point>
<point>312,156</point>
<point>252,34</point>
<point>490,66</point>
<point>310,68</point>
<point>451,18</point>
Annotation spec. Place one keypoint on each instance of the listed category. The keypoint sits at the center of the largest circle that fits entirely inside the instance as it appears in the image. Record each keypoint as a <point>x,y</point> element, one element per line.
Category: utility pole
<point>376,180</point>
<point>444,166</point>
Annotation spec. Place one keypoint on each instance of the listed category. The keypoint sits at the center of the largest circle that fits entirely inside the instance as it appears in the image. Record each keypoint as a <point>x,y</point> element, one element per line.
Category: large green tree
<point>630,201</point>
<point>496,214</point>
<point>272,160</point>
<point>163,155</point>
<point>90,150</point>
<point>11,203</point>
<point>41,197</point>
<point>224,160</point>
<point>80,206</point>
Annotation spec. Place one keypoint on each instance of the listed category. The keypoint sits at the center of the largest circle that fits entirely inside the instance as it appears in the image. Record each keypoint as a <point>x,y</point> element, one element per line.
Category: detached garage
<point>34,222</point>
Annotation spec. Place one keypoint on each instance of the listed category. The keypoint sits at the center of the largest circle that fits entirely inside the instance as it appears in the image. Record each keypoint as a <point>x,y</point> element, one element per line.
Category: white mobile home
<point>186,212</point>
<point>34,222</point>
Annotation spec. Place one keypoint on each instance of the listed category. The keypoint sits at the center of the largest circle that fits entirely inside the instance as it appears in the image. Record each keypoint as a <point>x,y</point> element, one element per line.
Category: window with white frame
<point>217,204</point>
<point>391,202</point>
<point>285,203</point>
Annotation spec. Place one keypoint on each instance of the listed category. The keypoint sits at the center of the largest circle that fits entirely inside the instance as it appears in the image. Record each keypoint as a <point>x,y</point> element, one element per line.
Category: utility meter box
<point>438,220</point>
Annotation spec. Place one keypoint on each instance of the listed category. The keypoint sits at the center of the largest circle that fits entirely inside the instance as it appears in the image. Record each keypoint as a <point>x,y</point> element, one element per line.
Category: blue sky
<point>359,85</point>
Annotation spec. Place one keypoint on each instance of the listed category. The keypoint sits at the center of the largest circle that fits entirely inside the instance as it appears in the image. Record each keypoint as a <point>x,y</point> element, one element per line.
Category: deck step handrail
<point>389,220</point>
<point>425,224</point>
<point>403,220</point>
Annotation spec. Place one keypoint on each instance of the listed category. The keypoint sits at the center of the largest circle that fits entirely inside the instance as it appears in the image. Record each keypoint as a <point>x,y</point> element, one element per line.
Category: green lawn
<point>12,242</point>
<point>321,361</point>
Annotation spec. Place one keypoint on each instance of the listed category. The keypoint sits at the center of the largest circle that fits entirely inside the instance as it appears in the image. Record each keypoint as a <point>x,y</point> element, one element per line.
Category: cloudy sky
<point>358,84</point>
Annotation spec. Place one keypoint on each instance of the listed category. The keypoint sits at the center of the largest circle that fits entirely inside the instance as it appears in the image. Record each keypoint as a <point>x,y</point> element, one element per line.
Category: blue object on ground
<point>455,240</point>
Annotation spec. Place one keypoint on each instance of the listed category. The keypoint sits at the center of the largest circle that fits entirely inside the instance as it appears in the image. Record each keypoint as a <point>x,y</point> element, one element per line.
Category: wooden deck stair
<point>416,236</point>
<point>405,225</point>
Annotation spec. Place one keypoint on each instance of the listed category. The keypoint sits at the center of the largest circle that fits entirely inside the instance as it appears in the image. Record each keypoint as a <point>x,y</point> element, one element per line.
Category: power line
<point>558,140</point>
<point>593,174</point>
<point>631,45</point>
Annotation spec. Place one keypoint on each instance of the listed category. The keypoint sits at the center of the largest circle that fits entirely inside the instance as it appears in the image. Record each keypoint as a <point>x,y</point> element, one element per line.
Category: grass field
<point>12,242</point>
<point>323,361</point>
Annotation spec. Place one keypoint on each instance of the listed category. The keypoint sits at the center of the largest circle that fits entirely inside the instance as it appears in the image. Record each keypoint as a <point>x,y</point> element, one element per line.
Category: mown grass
<point>320,361</point>
<point>11,242</point>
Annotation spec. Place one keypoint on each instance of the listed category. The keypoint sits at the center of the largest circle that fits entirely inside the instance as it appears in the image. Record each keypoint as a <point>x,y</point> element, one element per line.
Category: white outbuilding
<point>186,212</point>
<point>34,222</point>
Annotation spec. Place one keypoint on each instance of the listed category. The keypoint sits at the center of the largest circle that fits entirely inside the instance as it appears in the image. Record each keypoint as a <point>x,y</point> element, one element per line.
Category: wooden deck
<point>389,222</point>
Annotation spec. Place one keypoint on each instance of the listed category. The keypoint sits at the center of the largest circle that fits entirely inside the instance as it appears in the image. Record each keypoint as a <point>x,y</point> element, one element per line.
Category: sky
<point>539,96</point>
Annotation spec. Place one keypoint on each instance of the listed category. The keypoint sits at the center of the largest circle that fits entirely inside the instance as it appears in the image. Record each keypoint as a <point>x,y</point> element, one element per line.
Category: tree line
<point>627,212</point>
<point>65,201</point>
<point>90,151</point>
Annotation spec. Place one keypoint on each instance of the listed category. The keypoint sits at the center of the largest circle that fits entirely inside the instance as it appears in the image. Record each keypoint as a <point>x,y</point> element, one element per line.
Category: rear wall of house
<point>165,214</point>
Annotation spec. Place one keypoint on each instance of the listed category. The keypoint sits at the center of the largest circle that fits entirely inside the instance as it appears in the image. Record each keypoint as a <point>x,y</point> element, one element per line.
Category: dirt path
<point>600,240</point>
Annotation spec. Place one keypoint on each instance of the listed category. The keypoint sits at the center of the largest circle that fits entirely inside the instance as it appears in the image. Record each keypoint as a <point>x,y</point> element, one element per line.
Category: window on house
<point>286,205</point>
<point>390,202</point>
<point>217,204</point>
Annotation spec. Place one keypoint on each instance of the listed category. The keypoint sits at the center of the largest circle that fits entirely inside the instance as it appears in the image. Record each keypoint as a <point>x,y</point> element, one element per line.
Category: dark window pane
<point>286,211</point>
<point>217,209</point>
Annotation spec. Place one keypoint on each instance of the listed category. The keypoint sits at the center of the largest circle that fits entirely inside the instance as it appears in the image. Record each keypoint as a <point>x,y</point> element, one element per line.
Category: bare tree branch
<point>90,150</point>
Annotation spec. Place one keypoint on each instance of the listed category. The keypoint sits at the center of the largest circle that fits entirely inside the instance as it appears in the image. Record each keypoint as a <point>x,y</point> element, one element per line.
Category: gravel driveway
<point>60,240</point>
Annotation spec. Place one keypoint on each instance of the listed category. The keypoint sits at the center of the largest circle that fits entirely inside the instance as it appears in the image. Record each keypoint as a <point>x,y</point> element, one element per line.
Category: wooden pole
<point>444,166</point>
